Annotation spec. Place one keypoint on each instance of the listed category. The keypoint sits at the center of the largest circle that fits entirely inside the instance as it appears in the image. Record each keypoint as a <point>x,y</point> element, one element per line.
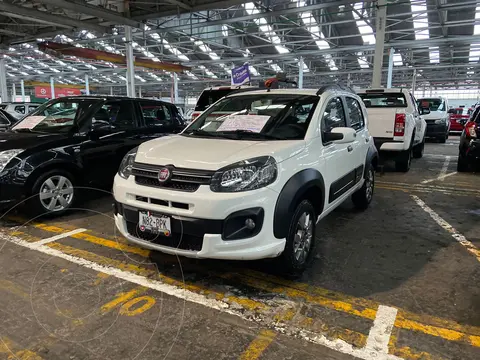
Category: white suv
<point>251,184</point>
<point>396,124</point>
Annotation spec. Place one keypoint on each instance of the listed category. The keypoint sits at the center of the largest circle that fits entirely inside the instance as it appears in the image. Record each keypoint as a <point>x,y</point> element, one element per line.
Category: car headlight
<point>440,121</point>
<point>245,175</point>
<point>125,169</point>
<point>7,155</point>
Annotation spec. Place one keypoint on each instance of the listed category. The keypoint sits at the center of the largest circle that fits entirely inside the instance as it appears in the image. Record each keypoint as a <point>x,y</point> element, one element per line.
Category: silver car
<point>19,110</point>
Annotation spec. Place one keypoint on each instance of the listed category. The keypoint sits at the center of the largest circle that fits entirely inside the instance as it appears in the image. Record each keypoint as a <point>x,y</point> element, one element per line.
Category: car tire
<point>300,244</point>
<point>462,164</point>
<point>404,161</point>
<point>53,193</point>
<point>363,197</point>
<point>418,150</point>
<point>442,139</point>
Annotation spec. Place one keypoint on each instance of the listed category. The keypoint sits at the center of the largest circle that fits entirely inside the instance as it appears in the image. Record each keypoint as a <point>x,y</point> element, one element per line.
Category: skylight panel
<point>434,54</point>
<point>276,67</point>
<point>39,71</point>
<point>397,60</point>
<point>265,28</point>
<point>190,74</point>
<point>225,30</point>
<point>27,66</point>
<point>362,61</point>
<point>253,70</point>
<point>140,78</point>
<point>420,20</point>
<point>364,29</point>
<point>474,48</point>
<point>312,27</point>
<point>205,48</point>
<point>174,50</point>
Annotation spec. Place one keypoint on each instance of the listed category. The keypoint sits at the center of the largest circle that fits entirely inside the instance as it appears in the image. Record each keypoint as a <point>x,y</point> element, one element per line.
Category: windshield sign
<point>260,116</point>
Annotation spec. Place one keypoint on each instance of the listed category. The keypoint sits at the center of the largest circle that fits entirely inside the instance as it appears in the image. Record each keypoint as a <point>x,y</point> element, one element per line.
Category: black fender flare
<point>372,158</point>
<point>290,195</point>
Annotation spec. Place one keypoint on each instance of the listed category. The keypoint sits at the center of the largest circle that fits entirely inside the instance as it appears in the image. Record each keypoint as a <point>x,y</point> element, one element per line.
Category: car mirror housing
<point>341,135</point>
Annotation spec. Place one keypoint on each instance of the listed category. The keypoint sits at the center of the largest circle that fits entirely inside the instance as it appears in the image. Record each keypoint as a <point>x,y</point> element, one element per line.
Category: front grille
<point>177,241</point>
<point>182,179</point>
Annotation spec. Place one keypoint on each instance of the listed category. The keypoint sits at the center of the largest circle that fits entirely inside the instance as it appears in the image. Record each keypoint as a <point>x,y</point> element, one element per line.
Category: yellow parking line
<point>258,345</point>
<point>8,347</point>
<point>438,327</point>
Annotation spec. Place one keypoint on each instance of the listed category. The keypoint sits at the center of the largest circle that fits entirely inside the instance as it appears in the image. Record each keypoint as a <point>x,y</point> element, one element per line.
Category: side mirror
<point>341,135</point>
<point>424,111</point>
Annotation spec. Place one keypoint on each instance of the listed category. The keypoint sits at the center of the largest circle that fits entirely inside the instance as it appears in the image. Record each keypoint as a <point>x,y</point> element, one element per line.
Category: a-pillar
<point>381,21</point>
<point>3,81</point>
<point>130,65</point>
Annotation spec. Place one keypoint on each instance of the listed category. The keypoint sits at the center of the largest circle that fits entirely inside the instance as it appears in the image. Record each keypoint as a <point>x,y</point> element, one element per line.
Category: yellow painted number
<point>130,309</point>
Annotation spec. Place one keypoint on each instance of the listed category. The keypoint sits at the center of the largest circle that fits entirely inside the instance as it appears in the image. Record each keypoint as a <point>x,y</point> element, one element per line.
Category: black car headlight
<point>125,169</point>
<point>245,175</point>
<point>7,155</point>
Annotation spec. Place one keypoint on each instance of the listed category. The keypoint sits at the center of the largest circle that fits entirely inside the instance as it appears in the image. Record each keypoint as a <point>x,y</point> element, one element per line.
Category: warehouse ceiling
<point>439,39</point>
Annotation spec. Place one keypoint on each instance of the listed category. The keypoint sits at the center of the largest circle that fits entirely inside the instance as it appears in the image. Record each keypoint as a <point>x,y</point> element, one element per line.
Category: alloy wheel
<point>56,193</point>
<point>303,237</point>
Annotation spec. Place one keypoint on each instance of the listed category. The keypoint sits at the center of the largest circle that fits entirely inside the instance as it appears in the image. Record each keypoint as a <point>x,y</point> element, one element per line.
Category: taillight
<point>399,129</point>
<point>470,129</point>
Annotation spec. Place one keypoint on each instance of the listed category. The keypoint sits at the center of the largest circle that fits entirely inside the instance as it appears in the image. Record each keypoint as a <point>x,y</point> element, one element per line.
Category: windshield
<point>432,104</point>
<point>59,116</point>
<point>260,116</point>
<point>384,100</point>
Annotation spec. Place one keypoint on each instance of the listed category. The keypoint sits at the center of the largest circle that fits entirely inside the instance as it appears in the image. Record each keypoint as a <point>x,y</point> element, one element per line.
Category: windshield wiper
<point>254,134</point>
<point>203,133</point>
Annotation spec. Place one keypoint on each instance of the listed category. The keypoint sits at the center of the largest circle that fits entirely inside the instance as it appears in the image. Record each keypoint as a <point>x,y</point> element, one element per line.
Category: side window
<point>20,109</point>
<point>355,114</point>
<point>334,115</point>
<point>31,108</point>
<point>119,114</point>
<point>4,120</point>
<point>156,114</point>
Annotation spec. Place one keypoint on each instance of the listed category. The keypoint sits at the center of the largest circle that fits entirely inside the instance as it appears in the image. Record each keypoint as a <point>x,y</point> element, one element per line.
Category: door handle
<point>367,140</point>
<point>350,148</point>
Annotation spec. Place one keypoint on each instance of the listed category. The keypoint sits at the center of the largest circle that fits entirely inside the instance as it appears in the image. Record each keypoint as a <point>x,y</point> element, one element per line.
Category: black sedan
<point>469,150</point>
<point>75,142</point>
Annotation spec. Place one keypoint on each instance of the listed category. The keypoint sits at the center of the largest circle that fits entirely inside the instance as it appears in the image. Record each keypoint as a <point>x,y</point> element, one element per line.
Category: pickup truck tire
<point>442,139</point>
<point>404,161</point>
<point>462,164</point>
<point>363,197</point>
<point>300,245</point>
<point>418,150</point>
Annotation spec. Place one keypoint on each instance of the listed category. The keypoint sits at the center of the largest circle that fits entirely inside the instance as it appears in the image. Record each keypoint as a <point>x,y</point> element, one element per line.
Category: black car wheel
<point>53,193</point>
<point>404,161</point>
<point>300,243</point>
<point>418,150</point>
<point>442,139</point>
<point>363,197</point>
<point>462,163</point>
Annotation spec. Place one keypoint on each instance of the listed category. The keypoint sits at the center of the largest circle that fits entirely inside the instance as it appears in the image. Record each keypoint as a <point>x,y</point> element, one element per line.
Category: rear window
<point>384,100</point>
<point>208,97</point>
<point>432,104</point>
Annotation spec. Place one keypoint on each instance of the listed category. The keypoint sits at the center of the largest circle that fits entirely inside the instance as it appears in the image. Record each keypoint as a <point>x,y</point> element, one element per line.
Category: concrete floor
<point>91,295</point>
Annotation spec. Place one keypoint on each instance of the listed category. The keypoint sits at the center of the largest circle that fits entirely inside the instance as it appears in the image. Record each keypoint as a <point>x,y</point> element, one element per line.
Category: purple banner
<point>240,75</point>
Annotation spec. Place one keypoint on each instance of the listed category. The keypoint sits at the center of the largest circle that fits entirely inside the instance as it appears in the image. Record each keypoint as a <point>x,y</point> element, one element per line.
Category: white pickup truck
<point>396,124</point>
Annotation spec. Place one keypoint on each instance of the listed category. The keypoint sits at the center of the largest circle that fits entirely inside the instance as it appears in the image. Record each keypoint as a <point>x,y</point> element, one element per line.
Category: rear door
<point>357,121</point>
<point>382,108</point>
<point>420,123</point>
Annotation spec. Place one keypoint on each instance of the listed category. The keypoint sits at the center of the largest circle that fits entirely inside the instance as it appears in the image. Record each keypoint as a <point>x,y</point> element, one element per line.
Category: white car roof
<point>380,90</point>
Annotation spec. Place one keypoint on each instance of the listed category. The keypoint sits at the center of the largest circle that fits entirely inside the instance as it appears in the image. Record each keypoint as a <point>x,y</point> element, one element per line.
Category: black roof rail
<point>334,87</point>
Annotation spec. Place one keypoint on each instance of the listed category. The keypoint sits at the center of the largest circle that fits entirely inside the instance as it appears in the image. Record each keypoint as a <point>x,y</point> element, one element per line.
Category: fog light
<point>249,224</point>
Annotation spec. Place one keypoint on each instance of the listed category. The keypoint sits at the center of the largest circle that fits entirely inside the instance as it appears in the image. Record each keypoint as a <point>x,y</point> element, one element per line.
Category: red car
<point>456,115</point>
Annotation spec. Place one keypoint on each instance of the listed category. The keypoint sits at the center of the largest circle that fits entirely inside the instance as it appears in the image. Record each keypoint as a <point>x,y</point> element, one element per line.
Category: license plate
<point>155,224</point>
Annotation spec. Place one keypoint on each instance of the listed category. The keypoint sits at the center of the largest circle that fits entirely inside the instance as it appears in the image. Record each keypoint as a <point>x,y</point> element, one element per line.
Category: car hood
<point>212,154</point>
<point>24,140</point>
<point>434,115</point>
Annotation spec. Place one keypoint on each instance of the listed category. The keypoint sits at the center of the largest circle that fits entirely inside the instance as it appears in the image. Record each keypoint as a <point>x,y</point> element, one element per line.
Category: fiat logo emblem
<point>163,175</point>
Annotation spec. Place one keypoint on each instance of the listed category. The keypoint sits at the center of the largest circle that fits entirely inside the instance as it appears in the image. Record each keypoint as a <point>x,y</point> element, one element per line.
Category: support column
<point>52,88</point>
<point>390,67</point>
<point>175,88</point>
<point>300,73</point>
<point>87,85</point>
<point>130,66</point>
<point>22,89</point>
<point>111,90</point>
<point>3,81</point>
<point>139,91</point>
<point>14,92</point>
<point>414,81</point>
<point>379,43</point>
<point>349,80</point>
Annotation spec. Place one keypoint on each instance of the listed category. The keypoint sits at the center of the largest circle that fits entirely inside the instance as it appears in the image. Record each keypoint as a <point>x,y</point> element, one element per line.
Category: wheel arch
<point>54,165</point>
<point>306,184</point>
<point>372,158</point>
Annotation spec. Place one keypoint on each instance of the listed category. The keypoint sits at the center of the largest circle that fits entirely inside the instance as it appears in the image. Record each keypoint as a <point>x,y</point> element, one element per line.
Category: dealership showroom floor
<point>72,288</point>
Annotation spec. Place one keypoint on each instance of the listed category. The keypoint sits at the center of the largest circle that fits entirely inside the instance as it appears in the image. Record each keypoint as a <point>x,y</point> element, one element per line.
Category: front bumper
<point>10,194</point>
<point>198,220</point>
<point>436,130</point>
